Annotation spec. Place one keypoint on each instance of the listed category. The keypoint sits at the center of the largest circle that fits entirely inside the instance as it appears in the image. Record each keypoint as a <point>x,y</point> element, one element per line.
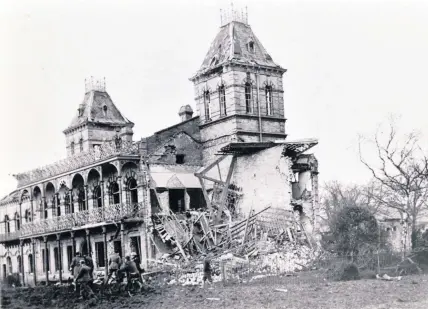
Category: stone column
<point>70,191</point>
<point>43,208</point>
<point>88,245</point>
<point>73,243</point>
<point>46,261</point>
<point>122,238</point>
<point>105,253</point>
<point>102,198</point>
<point>21,249</point>
<point>58,239</point>
<point>32,210</point>
<point>85,187</point>
<point>33,250</point>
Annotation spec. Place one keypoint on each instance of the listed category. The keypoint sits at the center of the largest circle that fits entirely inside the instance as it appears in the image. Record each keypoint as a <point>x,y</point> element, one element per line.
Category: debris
<point>281,290</point>
<point>388,278</point>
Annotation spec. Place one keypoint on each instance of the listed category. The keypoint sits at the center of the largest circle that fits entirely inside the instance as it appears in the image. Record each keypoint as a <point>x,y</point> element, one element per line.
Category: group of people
<point>82,268</point>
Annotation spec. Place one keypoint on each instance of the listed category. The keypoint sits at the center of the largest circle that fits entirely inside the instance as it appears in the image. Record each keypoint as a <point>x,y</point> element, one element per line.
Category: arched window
<point>6,224</point>
<point>27,215</point>
<point>96,197</point>
<point>72,148</point>
<point>114,193</point>
<point>9,265</point>
<point>81,198</point>
<point>58,205</point>
<point>269,102</point>
<point>68,203</point>
<point>18,258</point>
<point>222,99</point>
<point>17,222</point>
<point>45,209</point>
<point>207,105</point>
<point>30,263</point>
<point>248,98</point>
<point>132,194</point>
<point>81,144</point>
<point>250,47</point>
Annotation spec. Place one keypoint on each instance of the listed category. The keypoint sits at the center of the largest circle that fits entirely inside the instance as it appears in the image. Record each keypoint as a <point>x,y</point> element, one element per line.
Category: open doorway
<point>117,244</point>
<point>176,200</point>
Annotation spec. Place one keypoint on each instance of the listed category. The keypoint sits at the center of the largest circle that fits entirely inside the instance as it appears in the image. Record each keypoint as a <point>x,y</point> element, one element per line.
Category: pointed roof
<point>98,107</point>
<point>236,42</point>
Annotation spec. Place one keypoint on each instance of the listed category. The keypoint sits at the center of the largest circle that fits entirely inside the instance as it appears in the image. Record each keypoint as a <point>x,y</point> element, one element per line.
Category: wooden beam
<point>219,172</point>
<point>209,178</point>
<point>212,164</point>
<point>204,191</point>
<point>226,188</point>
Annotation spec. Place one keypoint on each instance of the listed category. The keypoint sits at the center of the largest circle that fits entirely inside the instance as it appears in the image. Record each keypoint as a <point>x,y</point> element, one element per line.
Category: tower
<point>97,120</point>
<point>238,89</point>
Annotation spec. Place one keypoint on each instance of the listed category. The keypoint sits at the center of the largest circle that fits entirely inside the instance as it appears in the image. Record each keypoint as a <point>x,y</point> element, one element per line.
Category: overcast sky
<point>350,64</point>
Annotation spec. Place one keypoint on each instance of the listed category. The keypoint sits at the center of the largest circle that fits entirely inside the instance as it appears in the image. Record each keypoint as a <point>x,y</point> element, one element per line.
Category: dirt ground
<point>410,292</point>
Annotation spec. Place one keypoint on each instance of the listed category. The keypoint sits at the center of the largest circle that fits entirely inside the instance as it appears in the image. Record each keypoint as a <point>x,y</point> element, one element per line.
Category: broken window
<point>197,200</point>
<point>117,244</point>
<point>131,191</point>
<point>179,159</point>
<point>136,244</point>
<point>207,105</point>
<point>56,258</point>
<point>269,102</point>
<point>248,98</point>
<point>222,98</point>
<point>30,263</point>
<point>45,210</point>
<point>100,251</point>
<point>27,215</point>
<point>250,46</point>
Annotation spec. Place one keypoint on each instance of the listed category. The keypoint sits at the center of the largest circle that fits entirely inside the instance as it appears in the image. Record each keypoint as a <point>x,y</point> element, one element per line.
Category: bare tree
<point>401,170</point>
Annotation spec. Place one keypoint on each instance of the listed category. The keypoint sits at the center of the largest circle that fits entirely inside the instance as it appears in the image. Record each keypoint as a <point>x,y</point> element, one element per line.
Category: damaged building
<point>176,190</point>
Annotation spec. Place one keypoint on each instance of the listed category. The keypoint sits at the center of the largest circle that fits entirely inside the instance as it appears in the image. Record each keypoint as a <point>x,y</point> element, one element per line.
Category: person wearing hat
<point>136,259</point>
<point>114,264</point>
<point>130,269</point>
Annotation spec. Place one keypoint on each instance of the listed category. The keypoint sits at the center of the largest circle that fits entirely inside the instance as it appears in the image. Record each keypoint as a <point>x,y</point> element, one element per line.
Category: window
<point>248,98</point>
<point>81,198</point>
<point>6,224</point>
<point>58,205</point>
<point>250,46</point>
<point>45,209</point>
<point>99,251</point>
<point>30,263</point>
<point>207,105</point>
<point>96,197</point>
<point>27,215</point>
<point>81,144</point>
<point>269,103</point>
<point>132,191</point>
<point>9,265</point>
<point>69,256</point>
<point>56,258</point>
<point>68,203</point>
<point>17,222</point>
<point>222,97</point>
<point>72,148</point>
<point>114,193</point>
<point>18,259</point>
<point>44,255</point>
<point>179,159</point>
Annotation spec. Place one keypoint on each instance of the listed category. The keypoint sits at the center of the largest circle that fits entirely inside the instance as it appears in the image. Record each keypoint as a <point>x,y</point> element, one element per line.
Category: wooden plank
<point>204,191</point>
<point>226,188</point>
<point>212,164</point>
<point>219,172</point>
<point>211,179</point>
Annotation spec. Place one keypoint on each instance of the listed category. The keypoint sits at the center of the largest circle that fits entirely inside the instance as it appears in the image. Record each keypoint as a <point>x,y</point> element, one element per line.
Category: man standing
<point>207,270</point>
<point>83,278</point>
<point>90,263</point>
<point>136,259</point>
<point>130,269</point>
<point>75,265</point>
<point>113,264</point>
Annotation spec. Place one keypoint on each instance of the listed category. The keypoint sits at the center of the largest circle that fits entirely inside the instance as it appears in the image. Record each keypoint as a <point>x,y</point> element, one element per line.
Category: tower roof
<point>236,42</point>
<point>98,107</point>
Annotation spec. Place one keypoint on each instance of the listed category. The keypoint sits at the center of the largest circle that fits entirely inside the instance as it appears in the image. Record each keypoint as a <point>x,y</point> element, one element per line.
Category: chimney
<point>185,112</point>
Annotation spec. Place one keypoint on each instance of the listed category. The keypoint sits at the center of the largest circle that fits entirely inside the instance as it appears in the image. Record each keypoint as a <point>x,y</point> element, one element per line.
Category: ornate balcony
<point>74,220</point>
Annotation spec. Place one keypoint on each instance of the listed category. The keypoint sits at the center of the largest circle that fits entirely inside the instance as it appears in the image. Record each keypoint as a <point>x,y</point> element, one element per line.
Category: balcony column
<point>33,250</point>
<point>105,253</point>
<point>88,245</point>
<point>20,215</point>
<point>58,239</point>
<point>70,191</point>
<point>85,187</point>
<point>21,249</point>
<point>102,198</point>
<point>73,243</point>
<point>46,261</point>
<point>119,182</point>
<point>32,210</point>
<point>43,208</point>
<point>122,238</point>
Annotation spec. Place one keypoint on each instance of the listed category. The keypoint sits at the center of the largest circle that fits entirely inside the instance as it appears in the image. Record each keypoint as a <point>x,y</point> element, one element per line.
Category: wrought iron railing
<point>81,218</point>
<point>105,151</point>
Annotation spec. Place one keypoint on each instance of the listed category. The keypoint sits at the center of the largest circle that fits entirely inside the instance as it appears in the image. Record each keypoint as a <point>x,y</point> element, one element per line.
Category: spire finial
<point>97,84</point>
<point>229,15</point>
